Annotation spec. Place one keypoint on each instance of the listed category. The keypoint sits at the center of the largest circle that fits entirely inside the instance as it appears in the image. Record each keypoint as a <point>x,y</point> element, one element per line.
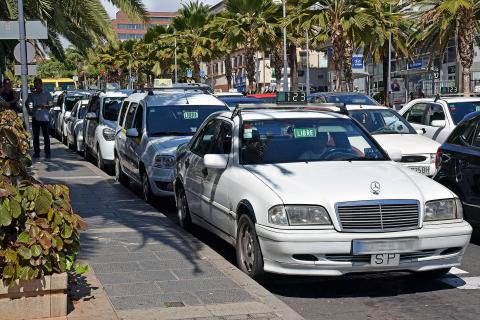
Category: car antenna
<point>185,94</point>
<point>437,97</point>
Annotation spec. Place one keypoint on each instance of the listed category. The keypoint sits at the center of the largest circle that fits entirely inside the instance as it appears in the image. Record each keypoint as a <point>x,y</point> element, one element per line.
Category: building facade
<point>126,29</point>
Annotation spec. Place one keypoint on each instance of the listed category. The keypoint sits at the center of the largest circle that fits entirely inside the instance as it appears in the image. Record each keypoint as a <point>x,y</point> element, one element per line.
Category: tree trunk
<point>277,63</point>
<point>338,52</point>
<point>250,66</point>
<point>347,65</point>
<point>292,62</point>
<point>386,89</point>
<point>196,71</point>
<point>466,38</point>
<point>228,70</point>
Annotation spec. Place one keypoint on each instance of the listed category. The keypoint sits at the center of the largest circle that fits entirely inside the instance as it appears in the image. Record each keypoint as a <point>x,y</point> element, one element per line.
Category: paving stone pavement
<point>147,266</point>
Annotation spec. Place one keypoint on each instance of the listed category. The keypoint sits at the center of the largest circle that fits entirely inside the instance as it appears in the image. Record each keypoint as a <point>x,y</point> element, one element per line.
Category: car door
<point>91,124</point>
<point>216,183</point>
<point>195,170</point>
<point>416,116</point>
<point>135,144</point>
<point>71,120</point>
<point>120,134</point>
<point>128,152</point>
<point>435,112</point>
<point>468,164</point>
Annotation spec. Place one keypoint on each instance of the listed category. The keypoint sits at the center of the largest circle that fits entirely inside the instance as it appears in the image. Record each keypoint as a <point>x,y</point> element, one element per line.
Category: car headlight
<point>108,134</point>
<point>298,215</point>
<point>443,210</point>
<point>165,162</point>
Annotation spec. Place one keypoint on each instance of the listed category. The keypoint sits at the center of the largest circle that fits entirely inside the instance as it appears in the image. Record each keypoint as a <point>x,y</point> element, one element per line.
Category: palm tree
<point>440,20</point>
<point>83,23</point>
<point>390,20</point>
<point>337,23</point>
<point>248,24</point>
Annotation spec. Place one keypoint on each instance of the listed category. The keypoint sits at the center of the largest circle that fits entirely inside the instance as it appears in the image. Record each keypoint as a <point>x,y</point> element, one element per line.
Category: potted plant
<point>39,232</point>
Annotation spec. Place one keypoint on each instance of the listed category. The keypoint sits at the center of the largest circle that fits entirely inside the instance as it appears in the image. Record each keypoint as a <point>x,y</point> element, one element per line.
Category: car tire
<point>146,189</point>
<point>183,212</point>
<point>100,162</point>
<point>249,253</point>
<point>75,144</point>
<point>86,154</point>
<point>432,274</point>
<point>120,177</point>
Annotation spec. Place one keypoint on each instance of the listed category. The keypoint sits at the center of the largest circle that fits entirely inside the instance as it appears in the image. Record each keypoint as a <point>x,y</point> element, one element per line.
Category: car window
<point>435,112</point>
<point>130,115</point>
<point>123,112</point>
<point>416,113</point>
<point>139,118</point>
<point>459,110</point>
<point>95,105</point>
<point>305,140</point>
<point>71,100</point>
<point>202,145</point>
<point>111,108</point>
<point>74,110</point>
<point>382,121</point>
<point>476,136</point>
<point>222,142</point>
<point>82,111</point>
<point>463,134</point>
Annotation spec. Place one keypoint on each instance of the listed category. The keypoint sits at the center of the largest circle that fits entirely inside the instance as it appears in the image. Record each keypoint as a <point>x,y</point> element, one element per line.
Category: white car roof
<point>176,98</point>
<point>113,94</point>
<point>228,94</point>
<point>266,114</point>
<point>450,99</point>
<point>365,107</point>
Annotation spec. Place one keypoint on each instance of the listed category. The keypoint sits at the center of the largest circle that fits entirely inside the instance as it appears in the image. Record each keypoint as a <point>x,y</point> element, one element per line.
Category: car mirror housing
<point>215,161</point>
<point>91,116</point>
<point>438,123</point>
<point>132,133</point>
<point>395,154</point>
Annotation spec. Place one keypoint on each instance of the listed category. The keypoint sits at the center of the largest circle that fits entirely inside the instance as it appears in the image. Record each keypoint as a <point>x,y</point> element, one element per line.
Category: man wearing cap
<point>41,102</point>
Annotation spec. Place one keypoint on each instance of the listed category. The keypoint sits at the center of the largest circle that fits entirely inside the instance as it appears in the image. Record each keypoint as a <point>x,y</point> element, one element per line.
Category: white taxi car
<point>305,192</point>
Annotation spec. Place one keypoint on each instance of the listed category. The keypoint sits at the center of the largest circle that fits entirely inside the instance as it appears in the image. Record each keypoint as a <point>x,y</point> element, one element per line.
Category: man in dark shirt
<point>9,96</point>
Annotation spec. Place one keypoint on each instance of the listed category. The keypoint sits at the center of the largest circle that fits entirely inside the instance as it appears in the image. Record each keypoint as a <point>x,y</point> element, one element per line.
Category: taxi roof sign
<point>290,97</point>
<point>161,83</point>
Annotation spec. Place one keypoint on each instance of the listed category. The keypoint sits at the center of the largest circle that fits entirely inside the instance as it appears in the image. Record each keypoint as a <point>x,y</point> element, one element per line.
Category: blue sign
<point>202,73</point>
<point>189,73</point>
<point>415,65</point>
<point>357,62</point>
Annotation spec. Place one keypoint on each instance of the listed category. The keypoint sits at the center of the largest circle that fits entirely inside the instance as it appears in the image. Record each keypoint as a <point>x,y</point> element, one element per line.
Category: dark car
<point>355,98</point>
<point>458,165</point>
<point>232,102</point>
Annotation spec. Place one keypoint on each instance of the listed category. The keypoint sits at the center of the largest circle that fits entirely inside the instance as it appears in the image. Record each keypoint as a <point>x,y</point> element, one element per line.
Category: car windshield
<point>178,120</point>
<point>459,110</point>
<point>82,111</point>
<point>382,121</point>
<point>71,100</point>
<point>111,108</point>
<point>346,99</point>
<point>305,140</point>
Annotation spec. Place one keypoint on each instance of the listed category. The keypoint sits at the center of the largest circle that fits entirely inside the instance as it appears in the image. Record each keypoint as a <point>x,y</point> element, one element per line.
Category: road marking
<point>464,283</point>
<point>456,271</point>
<point>74,177</point>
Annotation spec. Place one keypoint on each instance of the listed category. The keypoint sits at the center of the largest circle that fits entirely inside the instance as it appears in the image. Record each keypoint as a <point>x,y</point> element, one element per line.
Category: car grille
<point>412,159</point>
<point>378,216</point>
<point>365,258</point>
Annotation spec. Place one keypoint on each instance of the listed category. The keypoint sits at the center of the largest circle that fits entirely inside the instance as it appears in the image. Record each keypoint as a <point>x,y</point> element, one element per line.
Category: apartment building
<point>126,29</point>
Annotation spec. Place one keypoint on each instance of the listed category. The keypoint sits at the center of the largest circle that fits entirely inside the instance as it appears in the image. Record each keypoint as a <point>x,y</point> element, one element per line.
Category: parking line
<point>74,177</point>
<point>463,283</point>
<point>456,271</point>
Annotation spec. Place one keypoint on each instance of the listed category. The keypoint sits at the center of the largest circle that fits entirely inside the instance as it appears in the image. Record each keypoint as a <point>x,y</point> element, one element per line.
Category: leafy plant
<point>39,232</point>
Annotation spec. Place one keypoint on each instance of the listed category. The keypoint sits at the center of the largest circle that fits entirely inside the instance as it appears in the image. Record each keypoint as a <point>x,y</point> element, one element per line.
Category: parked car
<point>150,128</point>
<point>438,117</point>
<point>74,124</point>
<point>65,103</point>
<point>99,127</point>
<point>458,162</point>
<point>312,193</point>
<point>355,98</point>
<point>233,102</point>
<point>392,131</point>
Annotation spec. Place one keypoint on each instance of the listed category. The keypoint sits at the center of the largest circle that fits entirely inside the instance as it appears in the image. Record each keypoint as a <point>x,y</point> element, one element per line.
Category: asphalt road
<point>386,296</point>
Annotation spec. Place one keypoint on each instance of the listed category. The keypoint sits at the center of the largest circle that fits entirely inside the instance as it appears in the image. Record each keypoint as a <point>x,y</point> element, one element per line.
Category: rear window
<point>459,110</point>
<point>71,100</point>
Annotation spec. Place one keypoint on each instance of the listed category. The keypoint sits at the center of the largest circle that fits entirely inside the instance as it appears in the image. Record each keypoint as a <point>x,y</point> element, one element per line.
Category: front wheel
<point>119,175</point>
<point>147,190</point>
<point>249,254</point>
<point>100,163</point>
<point>184,218</point>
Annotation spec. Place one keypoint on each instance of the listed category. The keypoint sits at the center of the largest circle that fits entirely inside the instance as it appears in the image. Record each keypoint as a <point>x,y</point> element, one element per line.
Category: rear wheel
<point>86,154</point>
<point>249,254</point>
<point>184,218</point>
<point>119,175</point>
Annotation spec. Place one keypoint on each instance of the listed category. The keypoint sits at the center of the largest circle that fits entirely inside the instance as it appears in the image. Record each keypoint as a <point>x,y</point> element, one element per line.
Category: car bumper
<point>161,181</point>
<point>437,246</point>
<point>107,148</point>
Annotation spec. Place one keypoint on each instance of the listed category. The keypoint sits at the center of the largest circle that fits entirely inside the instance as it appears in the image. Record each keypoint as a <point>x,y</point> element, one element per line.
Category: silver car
<point>150,128</point>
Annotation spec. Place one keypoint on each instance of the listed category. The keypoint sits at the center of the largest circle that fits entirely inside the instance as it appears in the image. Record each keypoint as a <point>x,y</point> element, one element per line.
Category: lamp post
<point>23,58</point>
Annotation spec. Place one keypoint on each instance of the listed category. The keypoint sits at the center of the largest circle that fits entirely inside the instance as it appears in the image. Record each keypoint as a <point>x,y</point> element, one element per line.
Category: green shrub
<point>39,232</point>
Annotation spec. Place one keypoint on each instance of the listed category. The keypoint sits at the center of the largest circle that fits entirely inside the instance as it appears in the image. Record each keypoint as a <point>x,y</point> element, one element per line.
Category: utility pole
<point>23,56</point>
<point>285,61</point>
<point>308,64</point>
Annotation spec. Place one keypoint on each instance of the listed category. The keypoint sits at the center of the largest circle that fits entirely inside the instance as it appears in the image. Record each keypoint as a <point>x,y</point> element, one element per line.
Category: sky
<point>155,5</point>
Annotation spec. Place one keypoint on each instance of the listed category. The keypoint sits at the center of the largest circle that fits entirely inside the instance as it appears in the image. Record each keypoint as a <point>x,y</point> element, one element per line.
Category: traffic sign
<point>33,29</point>
<point>202,73</point>
<point>189,73</point>
<point>30,52</point>
<point>32,70</point>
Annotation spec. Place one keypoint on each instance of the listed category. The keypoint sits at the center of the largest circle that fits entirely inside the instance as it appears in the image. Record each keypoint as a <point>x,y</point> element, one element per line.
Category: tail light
<point>438,158</point>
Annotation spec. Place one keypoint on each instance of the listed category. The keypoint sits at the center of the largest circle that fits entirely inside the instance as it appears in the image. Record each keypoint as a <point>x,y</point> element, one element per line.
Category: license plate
<point>385,259</point>
<point>421,170</point>
<point>377,246</point>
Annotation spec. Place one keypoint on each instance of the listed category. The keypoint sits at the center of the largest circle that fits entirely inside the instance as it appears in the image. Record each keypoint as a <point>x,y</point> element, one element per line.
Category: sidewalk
<point>144,266</point>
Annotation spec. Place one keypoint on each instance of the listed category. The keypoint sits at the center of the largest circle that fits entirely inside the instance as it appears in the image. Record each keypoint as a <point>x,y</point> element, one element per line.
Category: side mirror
<point>91,116</point>
<point>215,161</point>
<point>132,133</point>
<point>421,131</point>
<point>438,123</point>
<point>395,154</point>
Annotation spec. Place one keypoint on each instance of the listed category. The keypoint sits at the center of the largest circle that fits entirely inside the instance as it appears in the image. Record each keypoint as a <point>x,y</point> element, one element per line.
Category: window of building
<point>127,36</point>
<point>160,18</point>
<point>131,26</point>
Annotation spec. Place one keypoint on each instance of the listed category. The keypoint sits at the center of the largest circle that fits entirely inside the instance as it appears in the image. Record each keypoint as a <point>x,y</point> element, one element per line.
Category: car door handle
<point>205,172</point>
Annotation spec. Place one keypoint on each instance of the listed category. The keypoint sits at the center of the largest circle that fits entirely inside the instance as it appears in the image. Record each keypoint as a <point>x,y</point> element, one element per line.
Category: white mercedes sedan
<point>304,192</point>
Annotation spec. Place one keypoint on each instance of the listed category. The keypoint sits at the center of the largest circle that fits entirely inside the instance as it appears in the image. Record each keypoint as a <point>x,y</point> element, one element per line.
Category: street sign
<point>30,52</point>
<point>189,73</point>
<point>34,30</point>
<point>357,62</point>
<point>415,65</point>
<point>202,73</point>
<point>32,70</point>
<point>75,78</point>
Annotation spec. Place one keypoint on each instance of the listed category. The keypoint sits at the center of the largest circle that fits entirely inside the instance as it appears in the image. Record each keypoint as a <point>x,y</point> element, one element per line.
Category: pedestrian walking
<point>9,96</point>
<point>41,102</point>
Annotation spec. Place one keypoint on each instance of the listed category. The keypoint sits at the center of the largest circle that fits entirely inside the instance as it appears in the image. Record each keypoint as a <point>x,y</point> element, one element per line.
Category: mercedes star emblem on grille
<point>375,187</point>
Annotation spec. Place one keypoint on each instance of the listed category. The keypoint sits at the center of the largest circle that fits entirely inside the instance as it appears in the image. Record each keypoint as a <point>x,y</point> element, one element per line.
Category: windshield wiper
<point>172,133</point>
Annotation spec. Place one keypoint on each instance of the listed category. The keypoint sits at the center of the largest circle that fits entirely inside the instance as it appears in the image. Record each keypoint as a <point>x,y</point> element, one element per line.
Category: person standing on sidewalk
<point>41,103</point>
